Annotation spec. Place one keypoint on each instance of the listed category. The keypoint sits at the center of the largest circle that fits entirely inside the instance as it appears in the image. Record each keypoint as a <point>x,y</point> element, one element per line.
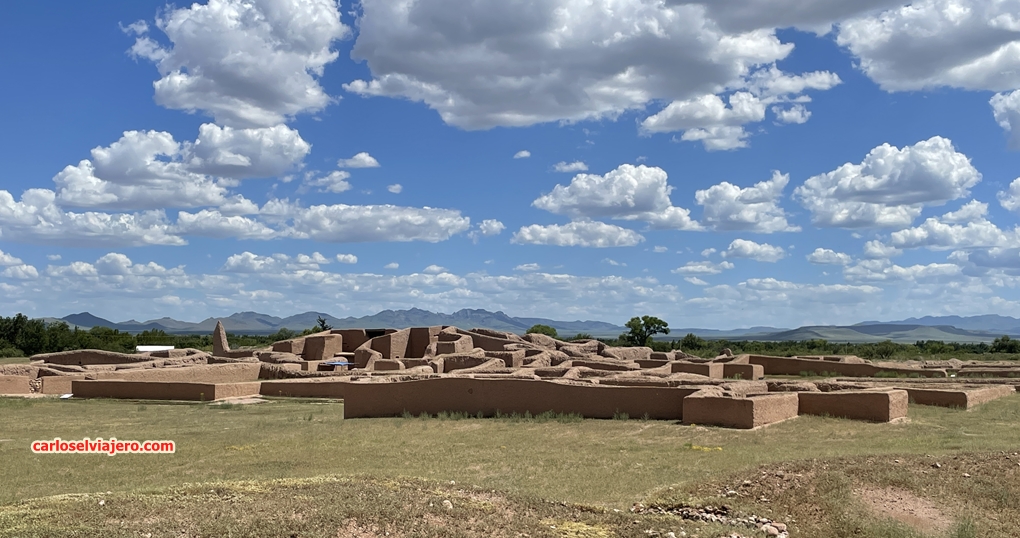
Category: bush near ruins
<point>542,329</point>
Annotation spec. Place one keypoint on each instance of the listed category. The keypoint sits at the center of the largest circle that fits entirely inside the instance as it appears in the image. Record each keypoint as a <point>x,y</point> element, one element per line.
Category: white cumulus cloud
<point>752,209</point>
<point>523,154</point>
<point>578,234</point>
<point>762,252</point>
<point>360,160</point>
<point>576,166</point>
<point>824,256</point>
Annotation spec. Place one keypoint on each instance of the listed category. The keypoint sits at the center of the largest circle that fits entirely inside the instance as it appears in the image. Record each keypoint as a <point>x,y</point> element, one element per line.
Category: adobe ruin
<point>481,372</point>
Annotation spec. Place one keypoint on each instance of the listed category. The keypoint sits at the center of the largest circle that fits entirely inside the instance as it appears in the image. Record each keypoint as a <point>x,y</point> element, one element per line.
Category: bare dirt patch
<point>905,507</point>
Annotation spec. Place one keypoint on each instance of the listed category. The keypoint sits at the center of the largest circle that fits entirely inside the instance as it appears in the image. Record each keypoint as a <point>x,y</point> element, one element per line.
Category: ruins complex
<point>481,372</point>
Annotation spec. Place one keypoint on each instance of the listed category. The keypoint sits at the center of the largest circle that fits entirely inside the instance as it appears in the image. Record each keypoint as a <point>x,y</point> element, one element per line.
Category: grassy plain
<point>297,468</point>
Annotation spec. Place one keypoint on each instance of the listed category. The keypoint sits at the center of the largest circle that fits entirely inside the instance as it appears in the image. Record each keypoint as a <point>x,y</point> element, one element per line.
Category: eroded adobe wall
<point>962,398</point>
<point>794,366</point>
<point>211,373</point>
<point>152,390</point>
<point>15,384</point>
<point>710,408</point>
<point>486,396</point>
<point>871,405</point>
<point>419,339</point>
<point>83,357</point>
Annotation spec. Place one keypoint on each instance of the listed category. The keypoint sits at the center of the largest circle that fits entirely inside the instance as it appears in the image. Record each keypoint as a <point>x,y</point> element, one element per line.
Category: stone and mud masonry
<point>481,372</point>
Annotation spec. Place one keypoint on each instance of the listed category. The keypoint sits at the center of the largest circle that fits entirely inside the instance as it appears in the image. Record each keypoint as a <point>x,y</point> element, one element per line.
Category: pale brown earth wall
<point>83,357</point>
<point>487,396</point>
<point>211,373</point>
<point>743,413</point>
<point>149,390</point>
<point>874,406</point>
<point>15,384</point>
<point>794,366</point>
<point>964,399</point>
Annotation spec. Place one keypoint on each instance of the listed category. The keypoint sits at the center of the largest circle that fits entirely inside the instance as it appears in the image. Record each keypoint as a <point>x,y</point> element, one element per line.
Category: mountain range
<point>946,328</point>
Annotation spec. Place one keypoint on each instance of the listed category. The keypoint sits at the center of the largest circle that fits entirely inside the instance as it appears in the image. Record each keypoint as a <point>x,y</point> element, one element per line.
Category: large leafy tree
<point>542,329</point>
<point>642,329</point>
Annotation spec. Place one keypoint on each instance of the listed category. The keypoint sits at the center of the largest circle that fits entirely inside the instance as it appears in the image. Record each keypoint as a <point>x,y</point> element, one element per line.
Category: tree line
<point>21,336</point>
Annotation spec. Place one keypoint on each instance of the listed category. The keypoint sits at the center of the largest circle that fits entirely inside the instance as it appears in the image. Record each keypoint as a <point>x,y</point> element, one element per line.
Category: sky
<point>718,165</point>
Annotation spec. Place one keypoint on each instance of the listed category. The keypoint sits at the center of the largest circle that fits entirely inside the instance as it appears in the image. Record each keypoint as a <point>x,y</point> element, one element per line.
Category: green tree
<point>642,329</point>
<point>885,350</point>
<point>692,341</point>
<point>321,325</point>
<point>581,336</point>
<point>542,329</point>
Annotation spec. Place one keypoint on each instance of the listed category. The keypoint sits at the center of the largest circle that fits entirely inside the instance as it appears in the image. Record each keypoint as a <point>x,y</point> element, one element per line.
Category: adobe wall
<point>149,390</point>
<point>872,405</point>
<point>82,357</point>
<point>322,347</point>
<point>306,388</point>
<point>15,384</point>
<point>211,373</point>
<point>486,342</point>
<point>58,384</point>
<point>744,413</point>
<point>743,371</point>
<point>709,369</point>
<point>353,338</point>
<point>454,343</point>
<point>962,398</point>
<point>794,366</point>
<point>392,345</point>
<point>486,396</point>
<point>295,346</point>
<point>419,339</point>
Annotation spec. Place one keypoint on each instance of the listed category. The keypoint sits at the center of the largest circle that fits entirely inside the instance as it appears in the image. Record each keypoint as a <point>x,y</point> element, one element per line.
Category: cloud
<point>941,234</point>
<point>596,63</point>
<point>211,223</point>
<point>360,160</point>
<point>523,154</point>
<point>658,249</point>
<point>21,272</point>
<point>752,209</point>
<point>247,262</point>
<point>1006,109</point>
<point>824,256</point>
<point>613,262</point>
<point>890,186</point>
<point>578,234</point>
<point>486,228</point>
<point>528,267</point>
<point>37,219</point>
<point>695,280</point>
<point>762,252</point>
<point>392,265</point>
<point>347,258</point>
<point>434,270</point>
<point>969,44</point>
<point>396,188</point>
<point>795,114</point>
<point>628,193</point>
<point>335,181</point>
<point>1010,199</point>
<point>807,15</point>
<point>576,166</point>
<point>150,170</point>
<point>969,212</point>
<point>341,223</point>
<point>8,259</point>
<point>247,64</point>
<point>885,271</point>
<point>703,268</point>
<point>878,250</point>
<point>708,119</point>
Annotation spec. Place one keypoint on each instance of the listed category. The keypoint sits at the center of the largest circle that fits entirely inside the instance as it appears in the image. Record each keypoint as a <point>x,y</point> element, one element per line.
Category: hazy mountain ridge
<point>962,329</point>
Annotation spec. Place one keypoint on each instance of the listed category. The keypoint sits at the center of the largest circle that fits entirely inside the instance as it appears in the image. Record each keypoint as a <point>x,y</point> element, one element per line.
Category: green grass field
<point>595,467</point>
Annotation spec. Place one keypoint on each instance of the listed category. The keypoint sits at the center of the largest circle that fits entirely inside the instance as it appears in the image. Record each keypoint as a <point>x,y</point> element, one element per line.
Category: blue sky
<point>747,163</point>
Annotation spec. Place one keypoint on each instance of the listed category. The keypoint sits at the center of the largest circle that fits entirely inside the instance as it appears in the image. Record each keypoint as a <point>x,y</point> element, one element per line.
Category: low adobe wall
<point>875,406</point>
<point>15,384</point>
<point>749,372</point>
<point>747,413</point>
<point>794,366</point>
<point>58,384</point>
<point>150,390</point>
<point>212,373</point>
<point>306,388</point>
<point>963,398</point>
<point>82,357</point>
<point>486,396</point>
<point>708,369</point>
